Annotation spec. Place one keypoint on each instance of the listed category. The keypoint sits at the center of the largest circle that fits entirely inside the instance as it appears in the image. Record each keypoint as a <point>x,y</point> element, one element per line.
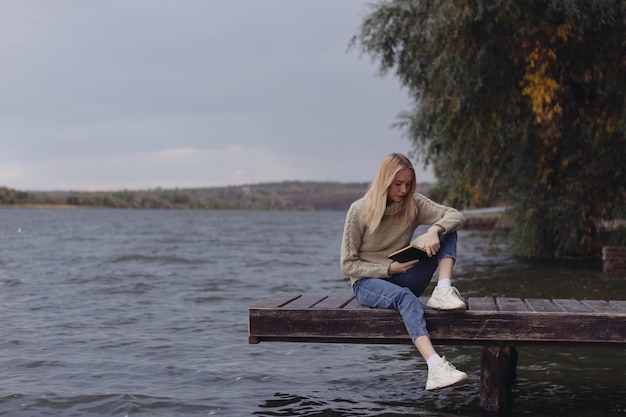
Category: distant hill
<point>312,195</point>
<point>286,195</point>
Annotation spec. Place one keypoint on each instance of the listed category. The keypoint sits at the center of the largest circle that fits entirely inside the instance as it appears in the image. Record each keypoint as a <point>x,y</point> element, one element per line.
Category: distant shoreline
<point>287,195</point>
<point>42,206</point>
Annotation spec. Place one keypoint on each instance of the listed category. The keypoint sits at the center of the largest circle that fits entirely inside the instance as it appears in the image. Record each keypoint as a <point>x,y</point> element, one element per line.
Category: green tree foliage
<point>516,100</point>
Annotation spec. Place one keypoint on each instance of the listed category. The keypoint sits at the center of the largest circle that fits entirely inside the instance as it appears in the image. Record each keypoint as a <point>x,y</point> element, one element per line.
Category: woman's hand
<point>397,267</point>
<point>432,244</point>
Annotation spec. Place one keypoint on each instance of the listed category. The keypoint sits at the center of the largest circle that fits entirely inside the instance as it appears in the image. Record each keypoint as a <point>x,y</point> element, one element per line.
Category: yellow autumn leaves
<point>539,82</point>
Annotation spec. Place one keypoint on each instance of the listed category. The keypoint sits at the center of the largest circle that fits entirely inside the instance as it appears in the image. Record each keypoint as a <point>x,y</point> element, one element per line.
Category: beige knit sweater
<point>365,254</point>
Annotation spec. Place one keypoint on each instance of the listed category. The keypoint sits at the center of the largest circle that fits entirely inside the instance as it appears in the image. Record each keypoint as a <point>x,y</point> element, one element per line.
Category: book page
<point>419,241</point>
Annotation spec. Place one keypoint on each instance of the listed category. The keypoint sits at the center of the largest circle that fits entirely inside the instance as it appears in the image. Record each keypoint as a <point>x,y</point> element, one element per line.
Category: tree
<point>516,100</point>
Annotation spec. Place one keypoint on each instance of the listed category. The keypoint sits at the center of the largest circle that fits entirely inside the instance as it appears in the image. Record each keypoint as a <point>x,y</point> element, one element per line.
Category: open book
<point>415,250</point>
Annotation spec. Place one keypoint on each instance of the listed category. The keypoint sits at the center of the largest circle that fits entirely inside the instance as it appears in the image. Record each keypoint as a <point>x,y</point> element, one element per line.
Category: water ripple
<point>144,313</point>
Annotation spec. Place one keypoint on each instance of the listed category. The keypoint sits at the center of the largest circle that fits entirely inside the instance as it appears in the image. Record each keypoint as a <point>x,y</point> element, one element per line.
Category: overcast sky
<point>135,94</point>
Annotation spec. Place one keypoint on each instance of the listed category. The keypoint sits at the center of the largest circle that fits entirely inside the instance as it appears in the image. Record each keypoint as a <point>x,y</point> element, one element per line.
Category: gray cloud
<point>143,93</point>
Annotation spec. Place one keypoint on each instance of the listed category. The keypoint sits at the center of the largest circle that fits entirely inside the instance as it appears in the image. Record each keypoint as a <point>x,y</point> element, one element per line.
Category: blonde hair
<point>376,196</point>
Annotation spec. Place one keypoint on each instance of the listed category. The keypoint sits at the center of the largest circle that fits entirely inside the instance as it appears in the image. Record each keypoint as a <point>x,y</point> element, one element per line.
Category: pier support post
<point>497,373</point>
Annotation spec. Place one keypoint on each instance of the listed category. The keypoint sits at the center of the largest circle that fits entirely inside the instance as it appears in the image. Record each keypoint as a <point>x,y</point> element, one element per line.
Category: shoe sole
<point>448,309</point>
<point>456,384</point>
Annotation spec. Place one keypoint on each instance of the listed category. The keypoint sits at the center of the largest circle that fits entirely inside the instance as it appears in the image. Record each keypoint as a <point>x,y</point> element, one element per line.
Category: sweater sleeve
<point>429,212</point>
<point>351,263</point>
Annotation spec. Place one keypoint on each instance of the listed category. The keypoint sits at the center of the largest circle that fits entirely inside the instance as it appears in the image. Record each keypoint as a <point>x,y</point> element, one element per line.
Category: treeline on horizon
<point>287,195</point>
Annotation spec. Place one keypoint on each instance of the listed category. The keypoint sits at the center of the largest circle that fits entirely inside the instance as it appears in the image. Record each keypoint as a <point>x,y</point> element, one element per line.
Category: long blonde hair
<point>376,196</point>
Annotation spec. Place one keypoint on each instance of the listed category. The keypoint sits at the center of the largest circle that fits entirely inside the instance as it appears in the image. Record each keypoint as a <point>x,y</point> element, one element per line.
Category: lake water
<point>144,313</point>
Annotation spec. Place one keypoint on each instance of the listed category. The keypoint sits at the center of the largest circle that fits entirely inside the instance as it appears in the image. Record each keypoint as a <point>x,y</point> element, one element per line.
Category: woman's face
<point>400,186</point>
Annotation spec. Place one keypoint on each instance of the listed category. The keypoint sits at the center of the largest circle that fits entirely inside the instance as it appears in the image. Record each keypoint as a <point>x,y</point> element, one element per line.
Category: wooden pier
<point>496,324</point>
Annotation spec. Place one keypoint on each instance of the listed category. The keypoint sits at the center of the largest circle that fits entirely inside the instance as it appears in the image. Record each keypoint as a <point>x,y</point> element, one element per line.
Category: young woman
<point>382,222</point>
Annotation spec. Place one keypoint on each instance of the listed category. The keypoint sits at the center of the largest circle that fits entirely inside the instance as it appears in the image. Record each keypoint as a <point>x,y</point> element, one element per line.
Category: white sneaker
<point>444,375</point>
<point>446,299</point>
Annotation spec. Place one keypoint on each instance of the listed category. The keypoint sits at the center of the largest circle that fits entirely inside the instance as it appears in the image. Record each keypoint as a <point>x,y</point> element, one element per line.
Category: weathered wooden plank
<point>511,304</point>
<point>543,305</point>
<point>619,305</point>
<point>354,304</point>
<point>320,324</point>
<point>601,306</point>
<point>482,304</point>
<point>335,301</point>
<point>515,328</point>
<point>573,306</point>
<point>276,301</point>
<point>305,301</point>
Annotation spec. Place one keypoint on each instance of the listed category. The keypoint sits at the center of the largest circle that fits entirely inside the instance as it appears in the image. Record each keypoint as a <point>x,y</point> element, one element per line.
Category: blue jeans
<point>401,291</point>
